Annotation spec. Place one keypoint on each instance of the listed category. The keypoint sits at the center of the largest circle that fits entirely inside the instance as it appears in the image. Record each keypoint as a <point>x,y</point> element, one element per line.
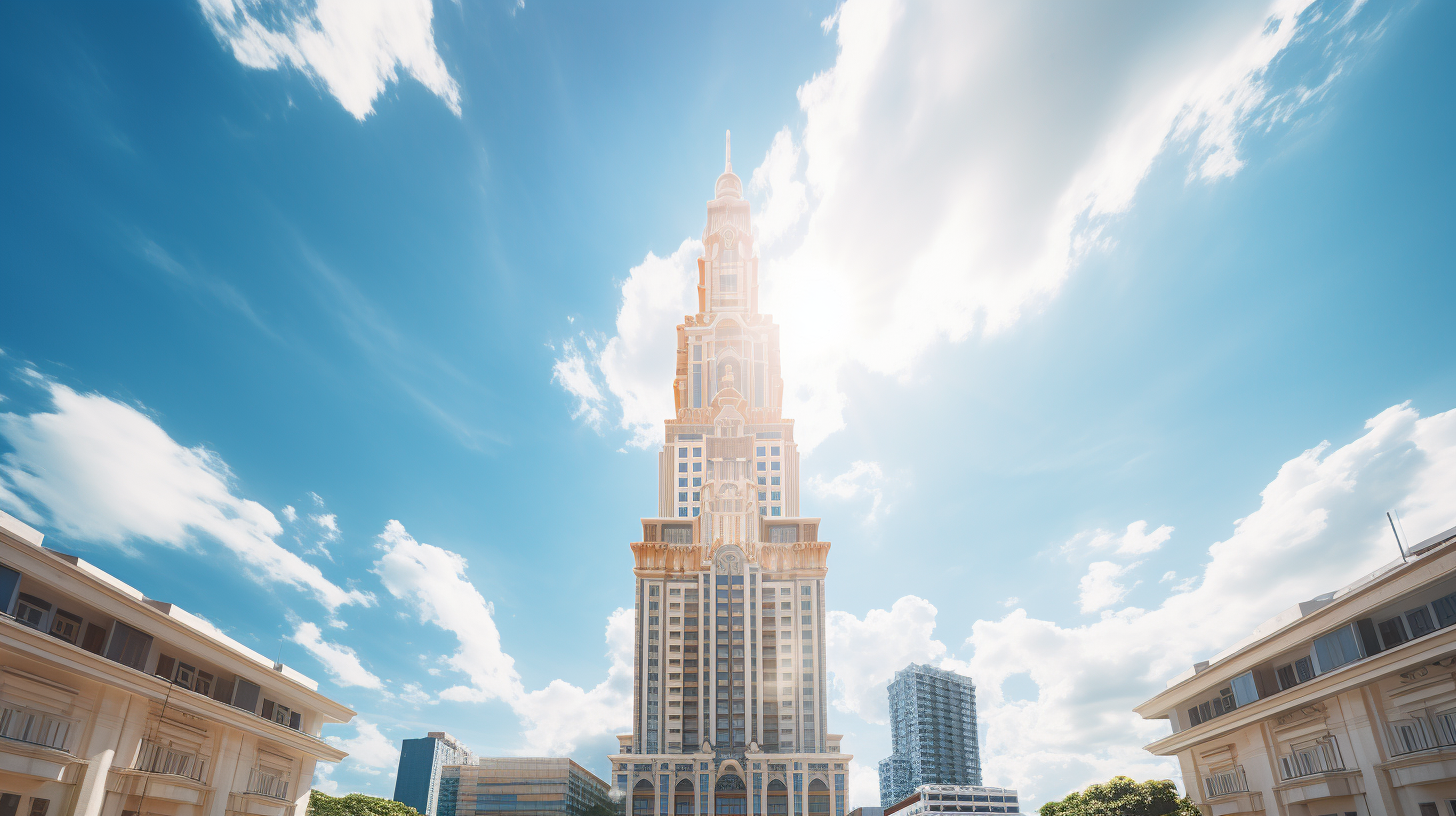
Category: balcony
<point>263,783</point>
<point>21,724</point>
<point>164,759</point>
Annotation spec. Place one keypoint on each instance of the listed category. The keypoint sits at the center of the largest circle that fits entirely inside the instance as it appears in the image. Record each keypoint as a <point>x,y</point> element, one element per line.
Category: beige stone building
<point>116,704</point>
<point>731,700</point>
<point>1344,705</point>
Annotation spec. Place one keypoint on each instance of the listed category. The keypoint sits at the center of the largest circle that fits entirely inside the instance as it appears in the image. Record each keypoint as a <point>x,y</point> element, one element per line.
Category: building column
<point>1364,724</point>
<point>227,750</point>
<point>305,785</point>
<point>100,750</point>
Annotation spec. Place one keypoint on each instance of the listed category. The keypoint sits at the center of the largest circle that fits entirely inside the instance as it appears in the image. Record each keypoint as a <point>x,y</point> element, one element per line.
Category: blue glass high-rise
<point>933,739</point>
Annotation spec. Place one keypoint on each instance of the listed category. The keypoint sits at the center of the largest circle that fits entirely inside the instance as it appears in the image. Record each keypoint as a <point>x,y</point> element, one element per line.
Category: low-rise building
<point>955,799</point>
<point>522,786</point>
<point>1344,704</point>
<point>116,704</point>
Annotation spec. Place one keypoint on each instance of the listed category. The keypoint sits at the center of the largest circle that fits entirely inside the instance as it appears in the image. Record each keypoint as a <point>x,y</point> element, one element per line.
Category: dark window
<point>245,695</point>
<point>129,647</point>
<point>1392,632</point>
<point>9,580</point>
<point>95,639</point>
<point>38,807</point>
<point>1420,623</point>
<point>9,802</point>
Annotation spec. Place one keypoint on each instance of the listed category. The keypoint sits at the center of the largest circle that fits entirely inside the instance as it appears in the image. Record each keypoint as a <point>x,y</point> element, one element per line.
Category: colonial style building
<point>1343,705</point>
<point>730,707</point>
<point>115,704</point>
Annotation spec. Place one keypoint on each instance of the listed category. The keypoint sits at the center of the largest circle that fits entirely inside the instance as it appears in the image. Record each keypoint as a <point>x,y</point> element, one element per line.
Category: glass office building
<point>933,737</point>
<point>522,786</point>
<point>421,761</point>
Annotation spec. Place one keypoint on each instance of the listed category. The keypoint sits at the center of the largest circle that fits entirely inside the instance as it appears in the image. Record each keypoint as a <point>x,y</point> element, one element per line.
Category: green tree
<point>355,804</point>
<point>1123,797</point>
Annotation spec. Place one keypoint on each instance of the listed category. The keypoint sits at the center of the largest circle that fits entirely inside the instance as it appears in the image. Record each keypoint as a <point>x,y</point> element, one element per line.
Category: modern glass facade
<point>521,786</point>
<point>421,762</point>
<point>933,737</point>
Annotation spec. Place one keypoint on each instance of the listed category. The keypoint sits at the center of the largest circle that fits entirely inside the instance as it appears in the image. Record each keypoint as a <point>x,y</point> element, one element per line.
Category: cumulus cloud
<point>1099,588</point>
<point>354,48</point>
<point>958,161</point>
<point>1318,526</point>
<point>636,365</point>
<point>341,662</point>
<point>556,718</point>
<point>860,483</point>
<point>101,471</point>
<point>369,750</point>
<point>865,654</point>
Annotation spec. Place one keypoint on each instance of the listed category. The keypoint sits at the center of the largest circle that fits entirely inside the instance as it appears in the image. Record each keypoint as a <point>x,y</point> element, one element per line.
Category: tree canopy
<point>1121,796</point>
<point>355,804</point>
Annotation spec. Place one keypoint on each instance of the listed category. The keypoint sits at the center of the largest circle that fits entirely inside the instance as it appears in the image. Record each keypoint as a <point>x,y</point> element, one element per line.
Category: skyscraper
<point>417,782</point>
<point>933,737</point>
<point>730,700</point>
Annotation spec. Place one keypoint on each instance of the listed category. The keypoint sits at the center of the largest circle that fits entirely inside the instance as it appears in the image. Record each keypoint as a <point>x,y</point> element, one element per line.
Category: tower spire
<point>728,153</point>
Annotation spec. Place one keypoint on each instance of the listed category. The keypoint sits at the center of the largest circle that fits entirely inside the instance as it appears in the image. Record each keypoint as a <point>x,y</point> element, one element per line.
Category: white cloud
<point>959,160</point>
<point>354,48</point>
<point>106,473</point>
<point>1010,602</point>
<point>1319,525</point>
<point>1135,540</point>
<point>785,196</point>
<point>1099,588</point>
<point>341,662</point>
<point>637,363</point>
<point>415,694</point>
<point>561,716</point>
<point>861,482</point>
<point>558,717</point>
<point>368,749</point>
<point>572,373</point>
<point>865,654</point>
<point>328,524</point>
<point>289,514</point>
<point>322,780</point>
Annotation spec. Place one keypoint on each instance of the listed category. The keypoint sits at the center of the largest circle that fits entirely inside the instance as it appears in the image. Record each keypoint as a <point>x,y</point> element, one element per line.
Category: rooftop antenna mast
<point>1390,518</point>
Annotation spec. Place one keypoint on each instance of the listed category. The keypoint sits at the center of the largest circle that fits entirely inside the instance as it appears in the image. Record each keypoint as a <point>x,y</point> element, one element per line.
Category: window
<point>782,533</point>
<point>760,450</point>
<point>775,466</point>
<point>682,482</point>
<point>66,626</point>
<point>804,590</point>
<point>1392,632</point>
<point>775,451</point>
<point>1336,649</point>
<point>761,480</point>
<point>245,695</point>
<point>697,451</point>
<point>1311,758</point>
<point>1420,622</point>
<point>270,782</point>
<point>697,481</point>
<point>1410,735</point>
<point>38,806</point>
<point>695,495</point>
<point>682,467</point>
<point>762,496</point>
<point>776,511</point>
<point>761,466</point>
<point>1222,783</point>
<point>805,604</point>
<point>1245,690</point>
<point>776,495</point>
<point>682,512</point>
<point>682,453</point>
<point>31,610</point>
<point>697,467</point>
<point>775,480</point>
<point>129,646</point>
<point>682,497</point>
<point>9,802</point>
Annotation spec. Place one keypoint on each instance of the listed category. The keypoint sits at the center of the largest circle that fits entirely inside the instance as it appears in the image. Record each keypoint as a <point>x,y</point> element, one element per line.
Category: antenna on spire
<point>728,153</point>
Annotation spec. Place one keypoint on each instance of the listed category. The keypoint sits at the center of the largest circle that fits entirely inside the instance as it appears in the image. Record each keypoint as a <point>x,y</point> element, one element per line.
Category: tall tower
<point>933,738</point>
<point>729,709</point>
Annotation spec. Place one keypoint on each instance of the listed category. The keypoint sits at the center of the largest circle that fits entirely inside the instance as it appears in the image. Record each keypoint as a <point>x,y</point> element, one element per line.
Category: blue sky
<point>1109,336</point>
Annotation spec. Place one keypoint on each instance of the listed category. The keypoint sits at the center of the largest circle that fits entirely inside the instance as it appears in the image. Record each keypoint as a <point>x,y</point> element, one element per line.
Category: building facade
<point>730,702</point>
<point>1344,704</point>
<point>954,799</point>
<point>116,704</point>
<point>421,761</point>
<point>522,786</point>
<point>933,739</point>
